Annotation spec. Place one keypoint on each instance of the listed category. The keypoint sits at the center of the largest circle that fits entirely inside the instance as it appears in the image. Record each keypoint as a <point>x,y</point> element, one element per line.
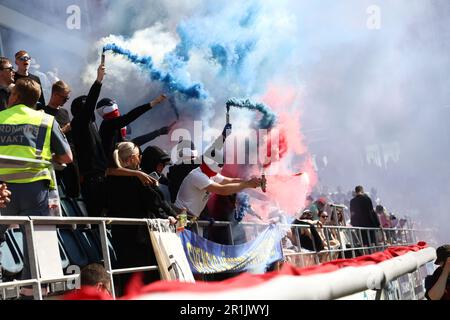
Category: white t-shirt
<point>192,194</point>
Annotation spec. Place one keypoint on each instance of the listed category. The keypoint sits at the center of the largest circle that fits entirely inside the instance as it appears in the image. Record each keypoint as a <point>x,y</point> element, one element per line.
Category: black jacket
<point>86,139</point>
<point>110,129</point>
<point>362,213</point>
<point>128,198</point>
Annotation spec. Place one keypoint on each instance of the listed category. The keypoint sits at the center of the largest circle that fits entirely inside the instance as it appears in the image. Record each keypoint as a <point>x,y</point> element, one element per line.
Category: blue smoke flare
<point>174,107</point>
<point>269,118</point>
<point>170,81</point>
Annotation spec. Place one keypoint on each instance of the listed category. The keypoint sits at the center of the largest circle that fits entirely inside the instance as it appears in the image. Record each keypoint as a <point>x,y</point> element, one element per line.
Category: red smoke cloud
<point>285,188</point>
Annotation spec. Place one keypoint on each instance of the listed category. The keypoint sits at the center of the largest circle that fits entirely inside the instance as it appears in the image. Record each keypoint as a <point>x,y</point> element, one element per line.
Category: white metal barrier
<point>334,288</point>
<point>36,269</point>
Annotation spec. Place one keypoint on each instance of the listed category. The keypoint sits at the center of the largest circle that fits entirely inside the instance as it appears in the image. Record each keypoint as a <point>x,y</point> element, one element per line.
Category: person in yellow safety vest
<point>34,135</point>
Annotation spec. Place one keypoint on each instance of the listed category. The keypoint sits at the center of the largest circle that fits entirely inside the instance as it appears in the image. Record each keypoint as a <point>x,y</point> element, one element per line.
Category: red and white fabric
<point>330,280</point>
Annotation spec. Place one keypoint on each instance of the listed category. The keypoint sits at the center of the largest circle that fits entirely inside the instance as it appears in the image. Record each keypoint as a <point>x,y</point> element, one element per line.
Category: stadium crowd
<point>116,177</point>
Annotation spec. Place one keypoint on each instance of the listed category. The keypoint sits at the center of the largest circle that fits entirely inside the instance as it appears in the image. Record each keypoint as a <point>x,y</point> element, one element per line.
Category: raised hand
<point>226,130</point>
<point>158,100</point>
<point>101,71</point>
<point>253,183</point>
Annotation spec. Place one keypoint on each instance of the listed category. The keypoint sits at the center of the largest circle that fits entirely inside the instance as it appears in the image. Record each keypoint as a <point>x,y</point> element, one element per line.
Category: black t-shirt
<point>431,280</point>
<point>62,117</point>
<point>41,100</point>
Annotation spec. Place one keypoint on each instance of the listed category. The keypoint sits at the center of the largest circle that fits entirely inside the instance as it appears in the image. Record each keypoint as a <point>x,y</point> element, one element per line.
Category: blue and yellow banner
<point>207,257</point>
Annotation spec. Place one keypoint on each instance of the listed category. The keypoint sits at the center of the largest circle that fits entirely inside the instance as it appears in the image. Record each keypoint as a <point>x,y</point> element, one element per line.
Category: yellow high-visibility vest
<point>25,133</point>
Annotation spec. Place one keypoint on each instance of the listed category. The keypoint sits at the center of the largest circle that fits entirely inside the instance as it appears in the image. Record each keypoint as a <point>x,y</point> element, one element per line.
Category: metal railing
<point>36,281</point>
<point>30,222</point>
<point>383,238</point>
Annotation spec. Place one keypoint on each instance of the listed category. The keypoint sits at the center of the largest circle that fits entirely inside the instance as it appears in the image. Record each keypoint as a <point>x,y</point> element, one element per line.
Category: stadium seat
<point>112,252</point>
<point>64,257</point>
<point>16,237</point>
<point>73,208</point>
<point>12,262</point>
<point>61,191</point>
<point>90,245</point>
<point>68,208</point>
<point>81,206</point>
<point>73,247</point>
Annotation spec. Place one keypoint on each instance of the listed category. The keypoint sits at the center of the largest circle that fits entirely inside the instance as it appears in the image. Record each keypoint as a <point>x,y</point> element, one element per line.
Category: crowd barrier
<point>44,230</point>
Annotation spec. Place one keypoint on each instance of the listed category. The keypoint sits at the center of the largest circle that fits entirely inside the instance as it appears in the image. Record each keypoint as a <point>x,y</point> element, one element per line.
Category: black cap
<point>105,102</point>
<point>442,253</point>
<point>151,156</point>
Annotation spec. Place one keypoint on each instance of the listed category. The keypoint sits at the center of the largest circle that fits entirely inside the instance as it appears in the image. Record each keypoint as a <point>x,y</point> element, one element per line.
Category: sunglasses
<point>66,98</point>
<point>25,58</point>
<point>324,216</point>
<point>8,68</point>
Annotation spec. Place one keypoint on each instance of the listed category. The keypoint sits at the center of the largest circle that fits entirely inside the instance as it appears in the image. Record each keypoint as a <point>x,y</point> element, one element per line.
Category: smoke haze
<point>360,105</point>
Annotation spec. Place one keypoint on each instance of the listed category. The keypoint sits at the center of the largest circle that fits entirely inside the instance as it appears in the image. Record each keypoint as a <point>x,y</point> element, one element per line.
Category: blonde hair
<point>123,152</point>
<point>60,87</point>
<point>28,92</point>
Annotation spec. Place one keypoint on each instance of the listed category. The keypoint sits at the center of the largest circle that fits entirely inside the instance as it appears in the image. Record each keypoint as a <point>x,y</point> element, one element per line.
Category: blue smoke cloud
<point>269,118</point>
<point>170,80</point>
<point>230,50</point>
<point>243,206</point>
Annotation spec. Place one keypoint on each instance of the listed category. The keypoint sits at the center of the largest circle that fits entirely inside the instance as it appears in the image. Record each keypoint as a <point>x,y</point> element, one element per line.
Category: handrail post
<point>32,259</point>
<point>340,242</point>
<point>352,242</point>
<point>327,237</point>
<point>299,246</point>
<point>362,241</point>
<point>106,256</point>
